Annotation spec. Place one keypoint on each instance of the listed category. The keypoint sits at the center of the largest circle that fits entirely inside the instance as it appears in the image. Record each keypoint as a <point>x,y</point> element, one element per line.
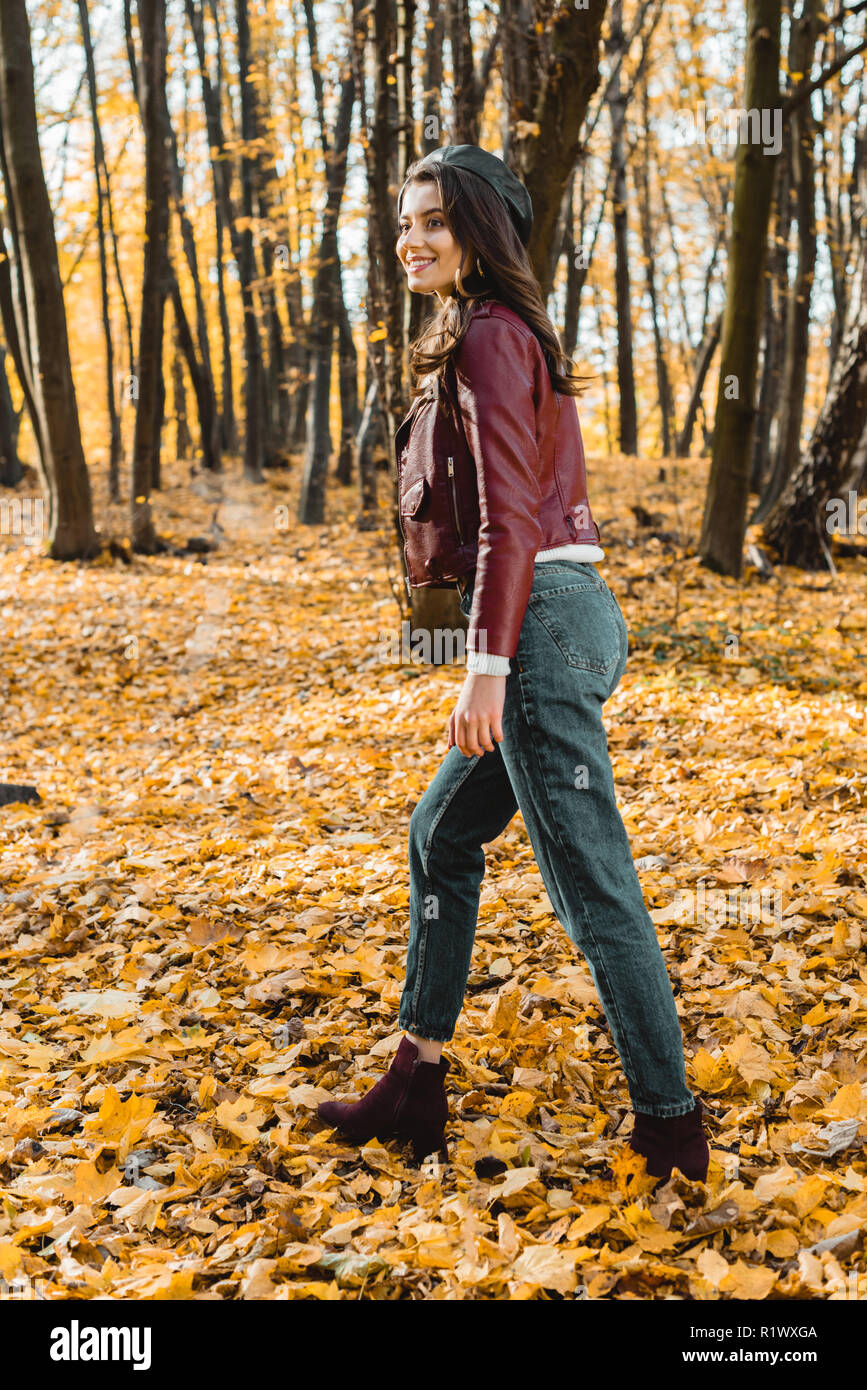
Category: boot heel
<point>423,1147</point>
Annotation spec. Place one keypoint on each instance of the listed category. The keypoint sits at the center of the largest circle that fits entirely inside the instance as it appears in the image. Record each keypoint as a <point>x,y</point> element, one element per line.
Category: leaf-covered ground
<point>203,926</point>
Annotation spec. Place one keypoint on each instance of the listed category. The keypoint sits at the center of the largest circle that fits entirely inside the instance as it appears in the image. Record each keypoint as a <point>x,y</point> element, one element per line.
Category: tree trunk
<point>628,441</point>
<point>776,281</point>
<point>467,105</point>
<point>858,468</point>
<point>148,416</point>
<point>38,298</point>
<point>228,422</point>
<point>115,256</point>
<point>159,420</point>
<point>799,524</point>
<point>272,376</point>
<point>367,518</point>
<point>574,253</point>
<point>797,330</point>
<point>11,471</point>
<point>200,375</point>
<point>333,299</point>
<point>183,440</point>
<point>348,372</point>
<point>277,403</point>
<point>383,166</point>
<point>206,396</point>
<point>311,506</point>
<point>837,234</point>
<point>705,357</point>
<point>549,74</point>
<point>185,342</point>
<point>688,338</point>
<point>254,425</point>
<point>580,258</point>
<point>223,215</point>
<point>297,346</point>
<point>115,445</point>
<point>663,389</point>
<point>724,522</point>
<point>10,330</point>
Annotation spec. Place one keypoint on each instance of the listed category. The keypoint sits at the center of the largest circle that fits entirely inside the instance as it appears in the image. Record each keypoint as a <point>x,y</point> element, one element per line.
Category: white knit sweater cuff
<point>486,664</point>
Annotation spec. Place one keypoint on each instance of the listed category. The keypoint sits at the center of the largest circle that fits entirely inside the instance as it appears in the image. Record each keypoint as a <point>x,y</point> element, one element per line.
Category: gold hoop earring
<point>479,266</point>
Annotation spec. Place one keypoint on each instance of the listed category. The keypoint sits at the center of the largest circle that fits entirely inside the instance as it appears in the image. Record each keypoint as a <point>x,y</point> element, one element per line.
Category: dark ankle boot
<point>673,1141</point>
<point>409,1102</point>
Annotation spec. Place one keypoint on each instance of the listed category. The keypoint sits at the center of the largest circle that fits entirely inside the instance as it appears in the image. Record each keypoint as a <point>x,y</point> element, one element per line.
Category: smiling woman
<point>426,247</point>
<point>493,496</point>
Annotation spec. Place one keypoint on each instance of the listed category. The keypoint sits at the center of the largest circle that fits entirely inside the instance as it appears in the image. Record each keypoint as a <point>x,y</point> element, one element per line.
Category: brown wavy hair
<point>478,220</point>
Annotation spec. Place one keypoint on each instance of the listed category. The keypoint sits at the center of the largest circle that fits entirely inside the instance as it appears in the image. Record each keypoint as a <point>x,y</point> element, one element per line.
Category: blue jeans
<point>553,765</point>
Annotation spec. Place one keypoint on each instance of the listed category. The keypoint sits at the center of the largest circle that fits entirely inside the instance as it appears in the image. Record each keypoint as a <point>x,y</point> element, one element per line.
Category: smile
<point>420,265</point>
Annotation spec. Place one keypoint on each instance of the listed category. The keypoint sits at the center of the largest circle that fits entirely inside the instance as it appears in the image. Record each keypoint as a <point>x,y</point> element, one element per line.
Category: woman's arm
<point>496,373</point>
<point>496,367</point>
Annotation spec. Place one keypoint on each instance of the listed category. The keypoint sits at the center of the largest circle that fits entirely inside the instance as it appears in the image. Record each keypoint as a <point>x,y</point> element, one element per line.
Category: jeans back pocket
<point>581,617</point>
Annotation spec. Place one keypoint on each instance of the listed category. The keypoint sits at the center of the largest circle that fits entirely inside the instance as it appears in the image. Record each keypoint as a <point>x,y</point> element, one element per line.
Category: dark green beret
<point>495,172</point>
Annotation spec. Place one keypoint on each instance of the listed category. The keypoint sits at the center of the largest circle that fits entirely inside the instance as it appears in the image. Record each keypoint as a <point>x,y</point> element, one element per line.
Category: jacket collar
<point>417,404</point>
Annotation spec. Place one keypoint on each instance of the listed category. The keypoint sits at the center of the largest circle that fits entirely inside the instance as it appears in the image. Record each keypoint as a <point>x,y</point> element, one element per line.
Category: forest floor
<point>203,925</point>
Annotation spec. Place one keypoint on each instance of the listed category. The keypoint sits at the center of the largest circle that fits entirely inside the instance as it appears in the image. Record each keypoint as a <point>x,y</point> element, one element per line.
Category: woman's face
<point>426,249</point>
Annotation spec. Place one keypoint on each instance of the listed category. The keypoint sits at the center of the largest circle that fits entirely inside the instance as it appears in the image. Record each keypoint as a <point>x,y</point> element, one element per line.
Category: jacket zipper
<point>406,579</point>
<point>454,497</point>
<point>407,583</point>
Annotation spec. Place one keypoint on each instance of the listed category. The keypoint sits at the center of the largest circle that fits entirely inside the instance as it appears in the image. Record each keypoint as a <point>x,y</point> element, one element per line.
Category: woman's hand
<point>477,720</point>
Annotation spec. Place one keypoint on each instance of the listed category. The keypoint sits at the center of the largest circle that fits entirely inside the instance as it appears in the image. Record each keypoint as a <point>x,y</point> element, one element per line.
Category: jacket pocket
<point>415,499</point>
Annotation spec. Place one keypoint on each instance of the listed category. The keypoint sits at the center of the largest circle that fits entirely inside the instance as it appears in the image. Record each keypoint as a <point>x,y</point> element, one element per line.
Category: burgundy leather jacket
<point>485,486</point>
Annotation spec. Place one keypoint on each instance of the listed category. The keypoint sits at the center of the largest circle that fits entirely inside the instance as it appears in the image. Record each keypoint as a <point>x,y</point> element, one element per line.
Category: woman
<point>493,498</point>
